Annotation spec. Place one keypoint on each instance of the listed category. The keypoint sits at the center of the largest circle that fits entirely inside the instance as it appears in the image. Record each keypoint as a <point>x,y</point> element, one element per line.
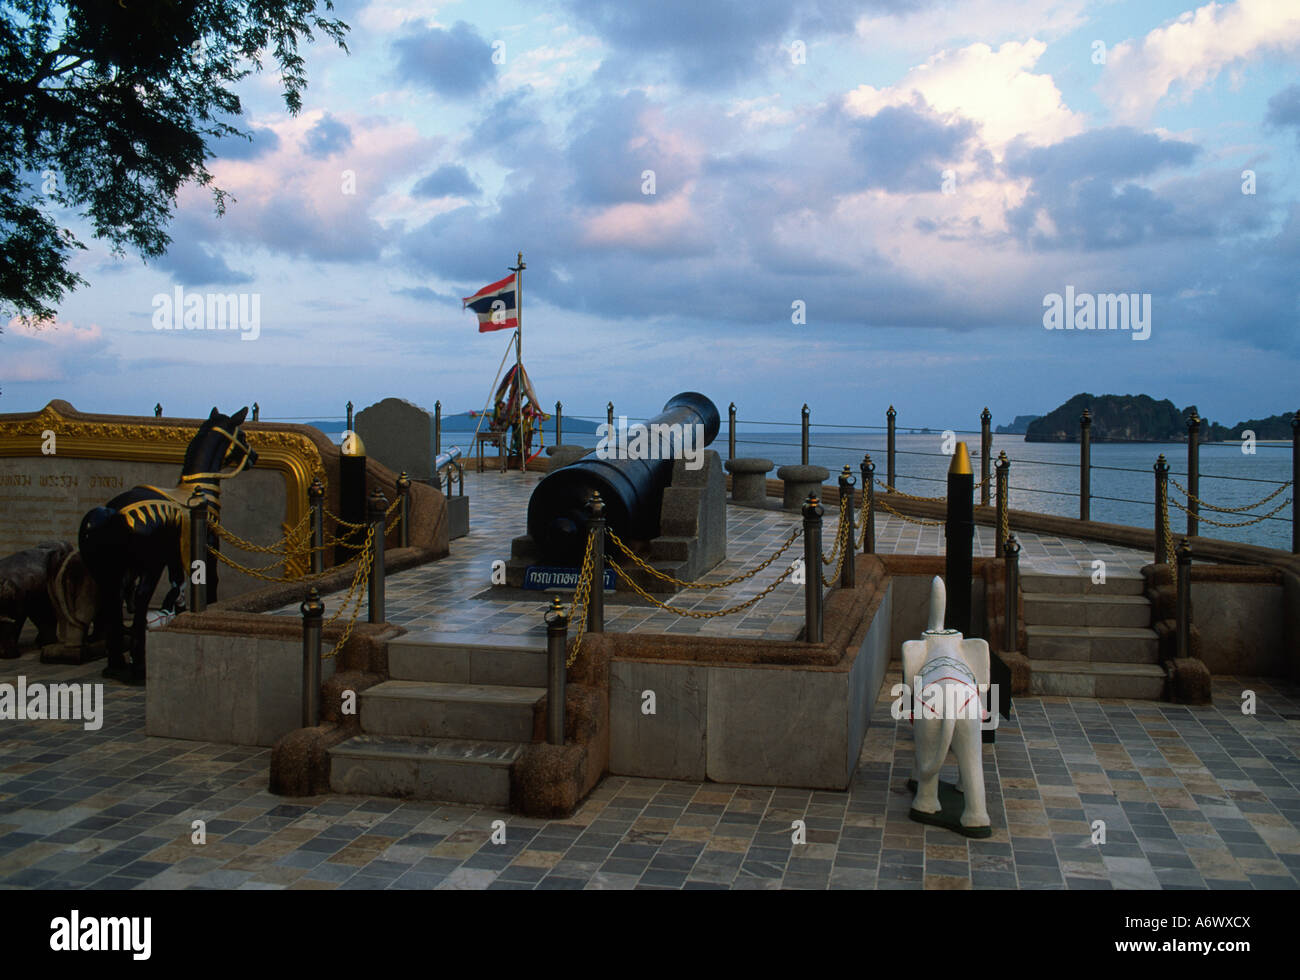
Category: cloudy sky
<point>915,175</point>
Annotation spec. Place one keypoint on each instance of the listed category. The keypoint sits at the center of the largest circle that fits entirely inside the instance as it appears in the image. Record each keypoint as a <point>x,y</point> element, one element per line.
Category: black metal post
<point>1162,509</point>
<point>731,431</point>
<point>312,611</point>
<point>960,540</point>
<point>1004,505</point>
<point>316,500</point>
<point>609,418</point>
<point>986,450</point>
<point>559,424</point>
<point>349,425</point>
<point>376,505</point>
<point>812,567</point>
<point>1295,484</point>
<point>1085,465</point>
<point>1193,474</point>
<point>596,601</point>
<point>1009,637</point>
<point>890,471</point>
<point>257,410</point>
<point>404,511</point>
<point>869,488</point>
<point>803,437</point>
<point>1184,609</point>
<point>198,552</point>
<point>847,570</point>
<point>557,634</point>
<point>437,428</point>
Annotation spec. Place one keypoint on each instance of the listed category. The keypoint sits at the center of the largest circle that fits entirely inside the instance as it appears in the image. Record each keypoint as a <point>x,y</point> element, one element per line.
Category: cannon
<point>632,489</point>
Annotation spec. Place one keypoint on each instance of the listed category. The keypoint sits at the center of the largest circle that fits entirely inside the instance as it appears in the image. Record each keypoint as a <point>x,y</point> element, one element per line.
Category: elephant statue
<point>49,585</point>
<point>947,676</point>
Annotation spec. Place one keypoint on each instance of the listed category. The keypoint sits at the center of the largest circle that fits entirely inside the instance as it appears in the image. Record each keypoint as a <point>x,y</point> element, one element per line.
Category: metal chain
<point>885,486</point>
<point>618,570</point>
<point>582,595</point>
<point>839,533</point>
<point>862,520</point>
<point>1227,510</point>
<point>1211,521</point>
<point>365,562</point>
<point>360,578</point>
<point>244,545</point>
<point>910,520</point>
<point>842,546</point>
<point>665,577</point>
<point>1003,491</point>
<point>1170,555</point>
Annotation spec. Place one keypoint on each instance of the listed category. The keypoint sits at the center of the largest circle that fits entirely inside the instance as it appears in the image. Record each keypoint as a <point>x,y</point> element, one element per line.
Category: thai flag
<point>496,305</point>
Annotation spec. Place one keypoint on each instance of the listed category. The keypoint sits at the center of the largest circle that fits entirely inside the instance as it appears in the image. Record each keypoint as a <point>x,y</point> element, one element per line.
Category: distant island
<point>1017,427</point>
<point>465,422</point>
<point>1140,418</point>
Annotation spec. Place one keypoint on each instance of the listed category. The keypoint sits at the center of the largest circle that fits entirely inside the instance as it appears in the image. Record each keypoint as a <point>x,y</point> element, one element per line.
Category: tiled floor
<point>443,595</point>
<point>1190,798</point>
<point>1203,797</point>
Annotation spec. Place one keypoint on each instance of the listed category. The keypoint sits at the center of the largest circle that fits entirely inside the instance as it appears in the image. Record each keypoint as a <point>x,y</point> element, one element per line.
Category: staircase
<point>449,723</point>
<point>1087,640</point>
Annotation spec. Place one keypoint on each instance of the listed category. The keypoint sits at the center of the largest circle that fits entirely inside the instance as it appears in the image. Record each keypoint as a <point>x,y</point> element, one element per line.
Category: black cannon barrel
<point>632,489</point>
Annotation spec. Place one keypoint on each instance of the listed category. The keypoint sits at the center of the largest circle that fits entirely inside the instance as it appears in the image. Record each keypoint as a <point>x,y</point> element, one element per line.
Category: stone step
<point>433,710</point>
<point>1073,678</point>
<point>1081,584</point>
<point>469,658</point>
<point>1054,609</point>
<point>446,770</point>
<point>1098,644</point>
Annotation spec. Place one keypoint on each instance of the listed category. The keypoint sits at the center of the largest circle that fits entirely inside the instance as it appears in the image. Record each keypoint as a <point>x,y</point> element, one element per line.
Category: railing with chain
<point>811,566</point>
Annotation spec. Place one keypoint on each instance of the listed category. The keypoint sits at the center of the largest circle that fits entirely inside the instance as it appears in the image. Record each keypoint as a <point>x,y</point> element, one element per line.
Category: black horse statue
<point>127,542</point>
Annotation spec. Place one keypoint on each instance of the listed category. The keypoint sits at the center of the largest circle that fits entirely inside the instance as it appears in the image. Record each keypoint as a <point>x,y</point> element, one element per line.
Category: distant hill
<point>1115,418</point>
<point>1273,427</point>
<point>465,422</point>
<point>1140,418</point>
<point>1017,427</point>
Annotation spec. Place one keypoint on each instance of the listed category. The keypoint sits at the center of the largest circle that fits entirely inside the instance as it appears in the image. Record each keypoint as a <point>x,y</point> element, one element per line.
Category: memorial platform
<point>1191,797</point>
<point>454,593</point>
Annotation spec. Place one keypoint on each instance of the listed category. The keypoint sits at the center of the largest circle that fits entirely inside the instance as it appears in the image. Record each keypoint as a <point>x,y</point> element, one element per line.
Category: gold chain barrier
<point>839,535</point>
<point>582,594</point>
<point>360,580</point>
<point>1169,546</point>
<point>664,577</point>
<point>842,546</point>
<point>863,514</point>
<point>1230,510</point>
<point>618,570</point>
<point>1211,521</point>
<point>910,520</point>
<point>302,551</point>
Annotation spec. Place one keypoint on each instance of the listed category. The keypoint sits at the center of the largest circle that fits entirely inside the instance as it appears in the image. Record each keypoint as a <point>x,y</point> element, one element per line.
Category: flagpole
<point>518,270</point>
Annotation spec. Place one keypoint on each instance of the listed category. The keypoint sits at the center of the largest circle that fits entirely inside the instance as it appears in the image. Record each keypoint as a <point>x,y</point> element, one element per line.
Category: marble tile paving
<point>1190,797</point>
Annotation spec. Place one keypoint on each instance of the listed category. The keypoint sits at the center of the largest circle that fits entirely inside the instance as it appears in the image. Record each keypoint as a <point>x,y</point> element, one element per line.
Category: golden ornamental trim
<point>292,454</point>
